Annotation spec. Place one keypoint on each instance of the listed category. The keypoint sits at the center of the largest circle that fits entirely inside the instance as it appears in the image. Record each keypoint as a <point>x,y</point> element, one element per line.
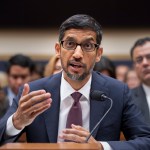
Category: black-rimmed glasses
<point>85,46</point>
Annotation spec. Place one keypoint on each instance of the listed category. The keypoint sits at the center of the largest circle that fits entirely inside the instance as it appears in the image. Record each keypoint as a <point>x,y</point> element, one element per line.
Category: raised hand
<point>30,106</point>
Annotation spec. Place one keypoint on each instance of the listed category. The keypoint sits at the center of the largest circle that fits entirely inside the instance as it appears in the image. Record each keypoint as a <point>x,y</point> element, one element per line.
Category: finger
<point>32,94</point>
<point>76,132</point>
<point>77,135</point>
<point>26,89</point>
<point>86,133</point>
<point>72,137</point>
<point>38,107</point>
<point>41,110</point>
<point>79,127</point>
<point>35,100</point>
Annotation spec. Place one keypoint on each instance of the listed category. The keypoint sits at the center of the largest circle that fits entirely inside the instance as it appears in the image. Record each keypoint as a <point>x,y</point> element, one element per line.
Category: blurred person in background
<point>19,72</point>
<point>140,54</point>
<point>3,79</point>
<point>131,78</point>
<point>38,71</point>
<point>121,70</point>
<point>53,66</point>
<point>4,103</point>
<point>105,66</point>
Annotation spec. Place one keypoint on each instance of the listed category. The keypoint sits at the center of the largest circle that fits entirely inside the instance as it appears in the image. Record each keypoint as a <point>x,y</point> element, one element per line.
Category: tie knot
<point>76,96</point>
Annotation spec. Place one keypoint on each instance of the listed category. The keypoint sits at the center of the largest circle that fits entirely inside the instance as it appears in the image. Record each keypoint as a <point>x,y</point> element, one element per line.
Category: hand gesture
<point>30,106</point>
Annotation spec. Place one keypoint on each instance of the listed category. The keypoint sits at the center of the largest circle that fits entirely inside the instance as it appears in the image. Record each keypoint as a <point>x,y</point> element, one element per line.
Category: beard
<point>76,76</point>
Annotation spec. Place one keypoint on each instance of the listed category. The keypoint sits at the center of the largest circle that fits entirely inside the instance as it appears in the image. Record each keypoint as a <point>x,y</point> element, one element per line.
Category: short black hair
<point>81,21</point>
<point>139,42</point>
<point>105,64</point>
<point>20,60</point>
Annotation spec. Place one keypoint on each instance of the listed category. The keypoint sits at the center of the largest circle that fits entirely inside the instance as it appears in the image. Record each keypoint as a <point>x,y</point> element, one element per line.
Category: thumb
<point>26,89</point>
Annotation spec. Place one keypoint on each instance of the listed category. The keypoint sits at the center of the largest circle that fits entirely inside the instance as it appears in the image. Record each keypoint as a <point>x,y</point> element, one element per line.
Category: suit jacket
<point>139,97</point>
<point>4,103</point>
<point>124,115</point>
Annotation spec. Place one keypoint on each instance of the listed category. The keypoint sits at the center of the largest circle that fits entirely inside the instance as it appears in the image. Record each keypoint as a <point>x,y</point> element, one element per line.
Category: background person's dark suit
<point>139,96</point>
<point>13,95</point>
<point>4,103</point>
<point>124,115</point>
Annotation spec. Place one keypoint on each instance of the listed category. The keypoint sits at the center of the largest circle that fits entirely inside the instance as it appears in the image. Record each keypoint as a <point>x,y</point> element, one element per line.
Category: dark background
<point>20,14</point>
<point>50,13</point>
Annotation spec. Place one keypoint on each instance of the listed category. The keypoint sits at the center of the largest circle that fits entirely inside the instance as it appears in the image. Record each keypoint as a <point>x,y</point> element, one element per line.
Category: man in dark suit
<point>140,54</point>
<point>41,107</point>
<point>19,72</point>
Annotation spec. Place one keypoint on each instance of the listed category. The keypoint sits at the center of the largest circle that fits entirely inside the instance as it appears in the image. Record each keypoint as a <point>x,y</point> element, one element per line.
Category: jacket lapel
<point>141,97</point>
<point>52,114</point>
<point>97,108</point>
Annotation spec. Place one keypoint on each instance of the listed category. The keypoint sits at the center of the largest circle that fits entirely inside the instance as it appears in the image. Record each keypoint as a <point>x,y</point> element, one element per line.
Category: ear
<point>99,54</point>
<point>57,49</point>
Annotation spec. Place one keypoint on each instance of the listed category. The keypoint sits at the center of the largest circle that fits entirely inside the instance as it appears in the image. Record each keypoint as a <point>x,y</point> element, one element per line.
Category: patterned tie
<point>75,113</point>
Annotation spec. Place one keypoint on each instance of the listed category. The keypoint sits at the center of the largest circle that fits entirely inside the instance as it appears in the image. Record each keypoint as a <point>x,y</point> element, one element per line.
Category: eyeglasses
<point>85,46</point>
<point>139,59</point>
<point>19,76</point>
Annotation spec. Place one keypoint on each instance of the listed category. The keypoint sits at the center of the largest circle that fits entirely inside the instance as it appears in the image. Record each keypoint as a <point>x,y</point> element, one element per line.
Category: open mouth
<point>76,65</point>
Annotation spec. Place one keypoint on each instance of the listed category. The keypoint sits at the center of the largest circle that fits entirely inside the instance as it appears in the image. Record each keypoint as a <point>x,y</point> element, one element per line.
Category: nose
<point>78,52</point>
<point>145,61</point>
<point>19,81</point>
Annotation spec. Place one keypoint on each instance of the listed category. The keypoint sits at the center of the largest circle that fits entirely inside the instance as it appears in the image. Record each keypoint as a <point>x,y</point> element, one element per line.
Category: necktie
<point>75,113</point>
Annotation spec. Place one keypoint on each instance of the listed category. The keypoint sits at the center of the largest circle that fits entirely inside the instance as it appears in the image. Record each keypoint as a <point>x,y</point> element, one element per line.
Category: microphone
<point>99,96</point>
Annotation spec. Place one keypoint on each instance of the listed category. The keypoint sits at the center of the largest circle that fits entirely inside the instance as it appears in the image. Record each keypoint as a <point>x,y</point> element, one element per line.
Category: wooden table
<point>49,146</point>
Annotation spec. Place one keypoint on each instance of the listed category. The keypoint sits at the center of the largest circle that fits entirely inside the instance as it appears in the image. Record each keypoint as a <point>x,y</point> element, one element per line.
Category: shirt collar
<point>10,92</point>
<point>66,89</point>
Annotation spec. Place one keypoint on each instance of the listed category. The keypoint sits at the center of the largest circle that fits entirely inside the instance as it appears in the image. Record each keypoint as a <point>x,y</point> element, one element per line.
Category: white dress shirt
<point>147,93</point>
<point>10,95</point>
<point>66,102</point>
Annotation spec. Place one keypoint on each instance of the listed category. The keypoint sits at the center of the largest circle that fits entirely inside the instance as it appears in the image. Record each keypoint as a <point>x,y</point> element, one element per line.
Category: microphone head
<point>97,95</point>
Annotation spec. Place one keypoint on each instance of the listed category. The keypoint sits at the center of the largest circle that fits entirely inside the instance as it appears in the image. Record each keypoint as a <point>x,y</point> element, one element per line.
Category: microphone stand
<point>111,103</point>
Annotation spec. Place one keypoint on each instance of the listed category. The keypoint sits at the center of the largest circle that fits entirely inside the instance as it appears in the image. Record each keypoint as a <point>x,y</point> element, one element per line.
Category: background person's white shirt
<point>10,95</point>
<point>147,93</point>
<point>66,102</point>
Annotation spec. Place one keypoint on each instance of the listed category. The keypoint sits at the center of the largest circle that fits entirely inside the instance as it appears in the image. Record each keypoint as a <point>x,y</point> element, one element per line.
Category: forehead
<point>80,34</point>
<point>142,50</point>
<point>19,69</point>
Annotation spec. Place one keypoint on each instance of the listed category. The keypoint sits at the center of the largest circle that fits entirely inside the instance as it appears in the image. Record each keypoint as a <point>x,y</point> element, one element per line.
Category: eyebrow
<point>87,39</point>
<point>70,38</point>
<point>143,55</point>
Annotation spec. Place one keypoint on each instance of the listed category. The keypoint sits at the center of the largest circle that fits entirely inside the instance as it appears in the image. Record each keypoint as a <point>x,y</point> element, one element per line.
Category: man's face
<point>78,64</point>
<point>141,58</point>
<point>18,76</point>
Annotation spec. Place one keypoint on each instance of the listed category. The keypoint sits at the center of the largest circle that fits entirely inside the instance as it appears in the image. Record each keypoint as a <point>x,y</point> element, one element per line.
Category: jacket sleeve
<point>3,122</point>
